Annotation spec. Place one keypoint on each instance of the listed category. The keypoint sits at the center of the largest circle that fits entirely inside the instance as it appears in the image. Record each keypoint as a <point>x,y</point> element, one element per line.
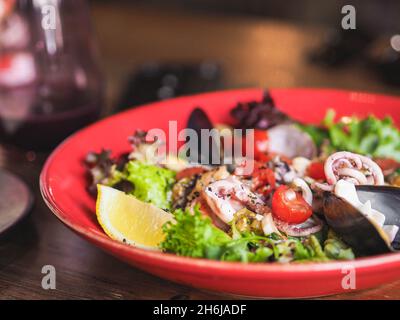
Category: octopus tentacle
<point>355,168</point>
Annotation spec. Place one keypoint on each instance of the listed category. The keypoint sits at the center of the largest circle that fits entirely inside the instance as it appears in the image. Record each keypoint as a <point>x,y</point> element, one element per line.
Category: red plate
<point>63,187</point>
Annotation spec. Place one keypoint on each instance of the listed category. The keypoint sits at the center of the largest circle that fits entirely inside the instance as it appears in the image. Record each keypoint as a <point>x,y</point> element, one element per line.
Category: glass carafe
<point>50,80</point>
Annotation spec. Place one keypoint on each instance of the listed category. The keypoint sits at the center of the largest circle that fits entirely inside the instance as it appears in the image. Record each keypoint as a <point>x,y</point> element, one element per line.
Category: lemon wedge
<point>129,220</point>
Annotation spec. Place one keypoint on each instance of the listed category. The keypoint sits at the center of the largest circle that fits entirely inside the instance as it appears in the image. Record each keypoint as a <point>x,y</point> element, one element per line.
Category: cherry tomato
<point>290,206</point>
<point>260,143</point>
<point>261,140</point>
<point>188,172</point>
<point>262,157</point>
<point>6,7</point>
<point>388,166</point>
<point>316,171</point>
<point>5,62</point>
<point>264,181</point>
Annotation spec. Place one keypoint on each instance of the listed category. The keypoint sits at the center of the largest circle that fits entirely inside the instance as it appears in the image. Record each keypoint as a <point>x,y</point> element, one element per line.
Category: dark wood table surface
<point>255,52</point>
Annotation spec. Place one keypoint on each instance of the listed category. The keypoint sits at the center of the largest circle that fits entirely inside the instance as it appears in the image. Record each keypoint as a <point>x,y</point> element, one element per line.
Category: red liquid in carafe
<point>35,119</point>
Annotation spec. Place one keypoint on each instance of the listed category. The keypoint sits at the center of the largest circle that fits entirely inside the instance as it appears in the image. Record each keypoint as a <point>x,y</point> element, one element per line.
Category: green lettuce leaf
<point>193,235</point>
<point>151,183</point>
<point>370,136</point>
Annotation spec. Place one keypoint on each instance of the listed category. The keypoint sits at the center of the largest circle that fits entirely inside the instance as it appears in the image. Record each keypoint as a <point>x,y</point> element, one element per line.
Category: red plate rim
<point>252,270</point>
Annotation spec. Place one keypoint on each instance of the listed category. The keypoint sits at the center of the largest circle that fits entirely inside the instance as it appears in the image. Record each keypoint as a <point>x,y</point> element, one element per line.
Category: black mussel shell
<point>385,199</point>
<point>199,120</point>
<point>353,227</point>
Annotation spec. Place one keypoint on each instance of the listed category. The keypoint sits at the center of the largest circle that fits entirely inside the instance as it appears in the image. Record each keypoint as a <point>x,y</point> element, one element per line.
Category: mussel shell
<point>385,199</point>
<point>353,227</point>
<point>197,121</point>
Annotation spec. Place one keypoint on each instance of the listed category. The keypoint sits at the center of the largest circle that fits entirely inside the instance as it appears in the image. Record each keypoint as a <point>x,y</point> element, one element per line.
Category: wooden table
<point>254,52</point>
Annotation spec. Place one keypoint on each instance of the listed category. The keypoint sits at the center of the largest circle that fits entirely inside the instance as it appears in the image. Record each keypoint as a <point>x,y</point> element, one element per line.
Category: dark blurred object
<point>258,114</point>
<point>387,64</point>
<point>154,82</point>
<point>50,82</point>
<point>16,201</point>
<point>381,16</point>
<point>199,120</point>
<point>379,54</point>
<point>341,46</point>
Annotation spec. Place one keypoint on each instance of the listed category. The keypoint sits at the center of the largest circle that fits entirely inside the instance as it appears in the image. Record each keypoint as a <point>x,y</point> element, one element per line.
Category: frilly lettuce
<point>370,136</point>
<point>193,235</point>
<point>150,183</point>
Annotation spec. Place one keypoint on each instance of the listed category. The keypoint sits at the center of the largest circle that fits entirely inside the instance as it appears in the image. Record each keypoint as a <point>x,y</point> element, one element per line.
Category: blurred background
<point>263,43</point>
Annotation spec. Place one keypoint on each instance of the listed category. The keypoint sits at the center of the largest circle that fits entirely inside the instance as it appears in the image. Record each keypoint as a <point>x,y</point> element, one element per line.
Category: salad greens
<point>193,235</point>
<point>370,136</point>
<point>318,134</point>
<point>336,248</point>
<point>147,182</point>
<point>151,183</point>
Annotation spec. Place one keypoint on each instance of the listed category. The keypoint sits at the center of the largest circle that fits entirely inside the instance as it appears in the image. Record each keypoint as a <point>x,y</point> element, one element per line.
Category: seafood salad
<point>313,193</point>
